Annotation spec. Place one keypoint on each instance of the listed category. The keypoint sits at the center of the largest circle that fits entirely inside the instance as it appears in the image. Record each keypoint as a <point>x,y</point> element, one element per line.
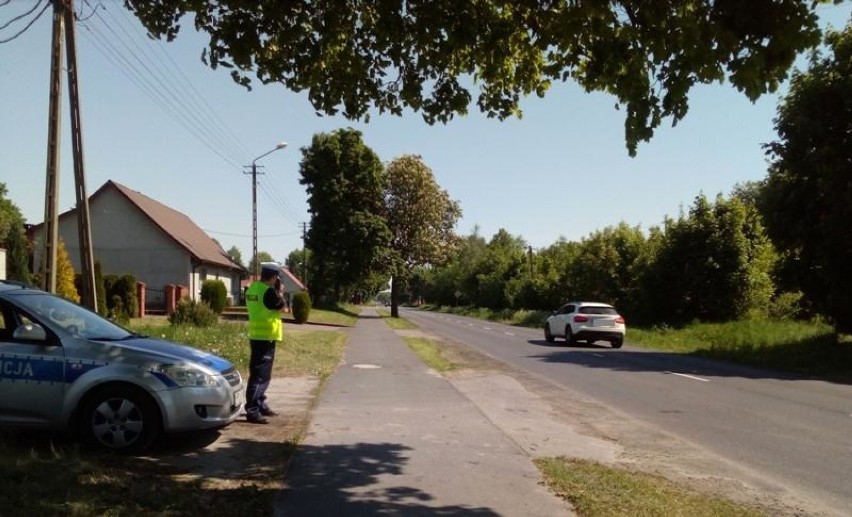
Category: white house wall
<point>125,241</point>
<point>226,276</point>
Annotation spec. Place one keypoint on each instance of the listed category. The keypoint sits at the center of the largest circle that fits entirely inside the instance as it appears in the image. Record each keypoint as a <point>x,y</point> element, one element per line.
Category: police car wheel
<point>120,418</point>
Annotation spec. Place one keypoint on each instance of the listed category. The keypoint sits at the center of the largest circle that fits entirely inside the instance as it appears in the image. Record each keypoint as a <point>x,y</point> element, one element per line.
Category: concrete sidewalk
<point>391,437</point>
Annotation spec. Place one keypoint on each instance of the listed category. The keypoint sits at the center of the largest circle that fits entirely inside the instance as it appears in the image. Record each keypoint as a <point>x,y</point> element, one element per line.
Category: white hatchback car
<point>588,321</point>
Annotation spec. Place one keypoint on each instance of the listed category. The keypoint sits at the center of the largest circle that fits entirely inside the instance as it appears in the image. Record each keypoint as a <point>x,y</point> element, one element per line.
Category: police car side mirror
<point>30,332</point>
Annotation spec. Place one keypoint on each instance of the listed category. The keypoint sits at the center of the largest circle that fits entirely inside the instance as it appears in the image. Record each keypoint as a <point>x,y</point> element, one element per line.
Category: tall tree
<point>807,196</point>
<point>13,239</point>
<point>298,262</point>
<point>609,266</point>
<point>502,261</point>
<point>421,217</point>
<point>236,255</point>
<point>262,256</point>
<point>424,54</point>
<point>348,236</point>
<point>713,264</point>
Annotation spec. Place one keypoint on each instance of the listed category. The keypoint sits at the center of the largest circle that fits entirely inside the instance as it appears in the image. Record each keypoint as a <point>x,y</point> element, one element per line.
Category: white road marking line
<point>688,376</point>
<point>598,355</point>
<point>508,333</point>
<point>486,328</point>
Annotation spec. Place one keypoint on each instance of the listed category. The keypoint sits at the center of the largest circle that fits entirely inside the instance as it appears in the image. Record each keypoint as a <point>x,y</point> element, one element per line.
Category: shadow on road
<point>646,360</point>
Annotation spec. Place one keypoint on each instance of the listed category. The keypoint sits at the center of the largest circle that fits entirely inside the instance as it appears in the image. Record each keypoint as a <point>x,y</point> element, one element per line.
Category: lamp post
<point>280,145</point>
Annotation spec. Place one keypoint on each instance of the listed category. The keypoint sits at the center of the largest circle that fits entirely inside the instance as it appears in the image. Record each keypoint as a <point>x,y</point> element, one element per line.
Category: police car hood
<point>158,349</point>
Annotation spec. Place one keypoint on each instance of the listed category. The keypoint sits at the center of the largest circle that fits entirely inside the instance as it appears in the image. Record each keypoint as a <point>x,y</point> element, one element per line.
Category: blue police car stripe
<point>36,369</point>
<point>74,369</point>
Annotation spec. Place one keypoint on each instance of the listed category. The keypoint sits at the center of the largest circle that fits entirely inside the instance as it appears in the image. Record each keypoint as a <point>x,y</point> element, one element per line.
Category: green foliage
<point>609,266</point>
<point>100,290</point>
<point>214,294</point>
<point>13,238</point>
<point>786,306</point>
<point>301,307</point>
<point>713,264</point>
<point>65,275</point>
<point>236,255</point>
<point>421,217</point>
<point>262,256</point>
<point>117,310</point>
<point>361,57</point>
<point>190,312</point>
<point>298,261</point>
<point>348,235</point>
<point>806,200</point>
<point>121,293</point>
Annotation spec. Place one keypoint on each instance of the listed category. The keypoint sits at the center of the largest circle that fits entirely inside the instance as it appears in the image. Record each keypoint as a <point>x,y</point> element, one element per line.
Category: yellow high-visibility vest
<point>264,324</point>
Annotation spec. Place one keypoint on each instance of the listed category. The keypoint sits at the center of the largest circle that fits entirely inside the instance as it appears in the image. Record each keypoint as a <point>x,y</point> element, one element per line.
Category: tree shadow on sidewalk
<point>352,480</point>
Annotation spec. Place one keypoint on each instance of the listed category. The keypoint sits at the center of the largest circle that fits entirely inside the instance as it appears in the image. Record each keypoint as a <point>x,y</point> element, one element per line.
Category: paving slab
<point>389,436</point>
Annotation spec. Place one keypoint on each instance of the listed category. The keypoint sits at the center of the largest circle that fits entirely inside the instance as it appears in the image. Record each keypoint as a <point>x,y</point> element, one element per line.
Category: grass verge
<point>802,347</point>
<point>430,353</point>
<point>395,323</point>
<point>44,474</point>
<point>594,489</point>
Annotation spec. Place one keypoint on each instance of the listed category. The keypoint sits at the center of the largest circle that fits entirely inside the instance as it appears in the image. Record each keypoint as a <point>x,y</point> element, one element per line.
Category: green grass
<point>303,351</point>
<point>520,318</point>
<point>430,353</point>
<point>42,474</point>
<point>595,490</point>
<point>802,347</point>
<point>343,315</point>
<point>395,323</point>
<point>48,479</point>
<point>809,348</point>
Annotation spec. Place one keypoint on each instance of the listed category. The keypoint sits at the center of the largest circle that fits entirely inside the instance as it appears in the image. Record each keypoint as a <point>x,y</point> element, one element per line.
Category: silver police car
<point>66,368</point>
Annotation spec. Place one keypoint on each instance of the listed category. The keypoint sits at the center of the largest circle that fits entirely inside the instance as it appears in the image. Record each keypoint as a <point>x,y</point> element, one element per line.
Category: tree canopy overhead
<point>352,57</point>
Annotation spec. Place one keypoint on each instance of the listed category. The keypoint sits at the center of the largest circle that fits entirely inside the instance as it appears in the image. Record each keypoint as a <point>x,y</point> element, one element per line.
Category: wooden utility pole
<point>51,191</point>
<point>84,229</point>
<point>63,22</point>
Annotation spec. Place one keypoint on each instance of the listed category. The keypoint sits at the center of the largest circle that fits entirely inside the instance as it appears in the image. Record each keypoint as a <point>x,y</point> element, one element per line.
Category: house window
<point>203,274</point>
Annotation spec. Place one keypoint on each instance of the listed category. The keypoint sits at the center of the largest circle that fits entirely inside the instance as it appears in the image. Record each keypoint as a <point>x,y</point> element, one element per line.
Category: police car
<point>65,368</point>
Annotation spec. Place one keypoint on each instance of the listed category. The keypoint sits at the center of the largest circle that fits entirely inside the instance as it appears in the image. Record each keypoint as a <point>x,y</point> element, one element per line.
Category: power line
<point>167,92</point>
<point>21,16</point>
<point>30,24</point>
<point>271,235</point>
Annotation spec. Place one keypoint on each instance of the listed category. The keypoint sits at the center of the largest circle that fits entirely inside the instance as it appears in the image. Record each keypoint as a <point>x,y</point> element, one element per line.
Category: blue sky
<point>560,171</point>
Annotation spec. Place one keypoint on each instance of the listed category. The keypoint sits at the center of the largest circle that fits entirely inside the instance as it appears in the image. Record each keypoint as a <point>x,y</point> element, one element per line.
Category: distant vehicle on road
<point>65,368</point>
<point>587,321</point>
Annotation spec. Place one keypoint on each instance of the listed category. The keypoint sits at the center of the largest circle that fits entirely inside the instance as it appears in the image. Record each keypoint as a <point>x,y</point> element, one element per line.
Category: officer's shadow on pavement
<point>357,479</point>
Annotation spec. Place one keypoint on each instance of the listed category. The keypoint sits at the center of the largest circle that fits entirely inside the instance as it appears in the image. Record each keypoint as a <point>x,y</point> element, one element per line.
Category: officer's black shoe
<point>268,412</point>
<point>256,419</point>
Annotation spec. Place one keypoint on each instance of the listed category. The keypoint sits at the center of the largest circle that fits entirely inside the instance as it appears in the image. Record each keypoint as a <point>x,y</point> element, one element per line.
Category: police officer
<point>264,303</point>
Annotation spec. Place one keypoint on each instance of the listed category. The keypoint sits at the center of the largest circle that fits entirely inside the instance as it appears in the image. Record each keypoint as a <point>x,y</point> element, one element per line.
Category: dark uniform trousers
<point>260,366</point>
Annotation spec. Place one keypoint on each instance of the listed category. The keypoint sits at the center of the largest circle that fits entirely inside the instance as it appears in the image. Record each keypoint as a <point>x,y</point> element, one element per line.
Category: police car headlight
<point>187,376</point>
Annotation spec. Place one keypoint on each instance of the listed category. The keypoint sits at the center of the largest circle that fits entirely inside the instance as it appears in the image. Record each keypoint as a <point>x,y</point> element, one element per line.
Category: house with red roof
<point>137,235</point>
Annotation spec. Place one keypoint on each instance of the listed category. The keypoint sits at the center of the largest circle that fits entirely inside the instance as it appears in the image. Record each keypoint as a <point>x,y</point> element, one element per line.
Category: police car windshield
<point>65,317</point>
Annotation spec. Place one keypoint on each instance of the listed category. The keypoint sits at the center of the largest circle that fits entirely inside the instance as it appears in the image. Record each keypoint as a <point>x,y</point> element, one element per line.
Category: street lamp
<point>279,145</point>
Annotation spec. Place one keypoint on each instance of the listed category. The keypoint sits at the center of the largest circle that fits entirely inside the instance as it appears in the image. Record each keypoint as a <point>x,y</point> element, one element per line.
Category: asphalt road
<point>792,430</point>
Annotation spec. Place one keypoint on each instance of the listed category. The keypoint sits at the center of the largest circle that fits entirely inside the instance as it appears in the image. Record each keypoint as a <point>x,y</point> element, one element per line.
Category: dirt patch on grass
<point>244,453</point>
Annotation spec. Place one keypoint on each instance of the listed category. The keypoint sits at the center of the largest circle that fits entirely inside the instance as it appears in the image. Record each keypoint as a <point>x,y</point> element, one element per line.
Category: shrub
<point>190,312</point>
<point>301,307</point>
<point>215,294</point>
<point>117,312</point>
<point>122,288</point>
<point>100,290</point>
<point>786,305</point>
